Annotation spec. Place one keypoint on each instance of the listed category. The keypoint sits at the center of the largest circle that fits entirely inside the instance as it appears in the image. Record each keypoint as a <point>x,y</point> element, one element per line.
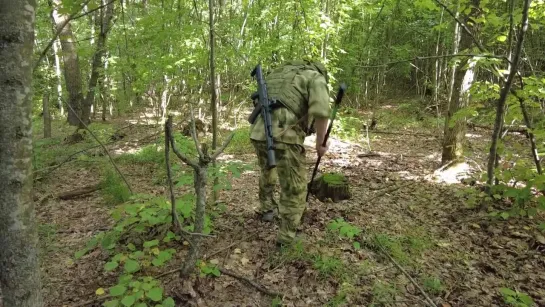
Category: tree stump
<point>331,185</point>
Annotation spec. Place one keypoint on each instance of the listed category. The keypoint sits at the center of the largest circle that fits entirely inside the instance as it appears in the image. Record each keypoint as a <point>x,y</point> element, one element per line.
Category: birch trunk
<point>19,266</point>
<point>59,76</point>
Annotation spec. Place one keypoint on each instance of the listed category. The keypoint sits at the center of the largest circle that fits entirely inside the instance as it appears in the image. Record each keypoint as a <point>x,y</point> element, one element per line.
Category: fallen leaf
<point>237,251</point>
<point>100,291</point>
<point>540,239</point>
<point>214,261</point>
<point>244,260</point>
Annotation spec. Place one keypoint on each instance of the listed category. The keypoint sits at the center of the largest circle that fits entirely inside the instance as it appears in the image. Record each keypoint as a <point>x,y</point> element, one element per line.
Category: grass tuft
<point>114,189</point>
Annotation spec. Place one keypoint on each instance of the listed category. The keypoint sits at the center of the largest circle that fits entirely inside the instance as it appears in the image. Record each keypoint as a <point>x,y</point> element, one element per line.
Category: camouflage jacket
<point>302,89</point>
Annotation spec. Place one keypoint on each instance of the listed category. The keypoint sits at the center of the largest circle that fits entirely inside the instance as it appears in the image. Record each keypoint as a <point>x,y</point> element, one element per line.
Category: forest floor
<point>414,228</point>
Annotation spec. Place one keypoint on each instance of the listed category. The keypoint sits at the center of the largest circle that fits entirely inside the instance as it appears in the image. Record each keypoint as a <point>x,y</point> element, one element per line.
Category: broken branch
<point>194,133</point>
<point>250,282</point>
<point>103,147</point>
<point>79,192</point>
<point>429,301</point>
<point>222,148</point>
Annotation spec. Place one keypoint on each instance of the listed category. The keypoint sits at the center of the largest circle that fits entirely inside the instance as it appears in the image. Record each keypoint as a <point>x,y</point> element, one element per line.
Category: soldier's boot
<point>267,216</point>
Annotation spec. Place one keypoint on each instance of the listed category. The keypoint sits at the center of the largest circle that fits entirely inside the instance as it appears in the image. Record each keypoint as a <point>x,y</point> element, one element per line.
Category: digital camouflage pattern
<point>293,186</point>
<point>301,86</point>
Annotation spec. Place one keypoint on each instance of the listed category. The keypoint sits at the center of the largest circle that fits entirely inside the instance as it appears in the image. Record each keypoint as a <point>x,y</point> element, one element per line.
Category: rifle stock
<point>264,108</point>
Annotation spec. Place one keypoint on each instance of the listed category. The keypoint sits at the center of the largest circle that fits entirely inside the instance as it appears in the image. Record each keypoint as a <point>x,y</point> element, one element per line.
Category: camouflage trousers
<point>291,172</point>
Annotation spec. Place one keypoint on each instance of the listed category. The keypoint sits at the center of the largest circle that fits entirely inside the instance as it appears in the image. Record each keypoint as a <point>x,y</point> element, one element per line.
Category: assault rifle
<point>264,107</point>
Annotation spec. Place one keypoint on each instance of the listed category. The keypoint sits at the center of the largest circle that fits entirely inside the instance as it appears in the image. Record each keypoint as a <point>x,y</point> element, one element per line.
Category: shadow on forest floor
<point>458,256</point>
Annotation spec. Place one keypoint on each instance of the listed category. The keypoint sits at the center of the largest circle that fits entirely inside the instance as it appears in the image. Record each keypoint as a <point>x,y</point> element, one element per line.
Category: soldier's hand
<point>322,149</point>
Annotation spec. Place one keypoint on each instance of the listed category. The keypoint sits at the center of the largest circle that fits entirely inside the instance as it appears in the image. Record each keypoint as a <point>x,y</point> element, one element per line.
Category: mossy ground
<point>334,179</point>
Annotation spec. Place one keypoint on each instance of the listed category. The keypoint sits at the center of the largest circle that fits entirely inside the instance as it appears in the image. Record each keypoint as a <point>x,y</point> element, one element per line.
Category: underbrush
<point>410,114</point>
<point>240,144</point>
<point>48,152</point>
<point>331,263</point>
<point>113,188</point>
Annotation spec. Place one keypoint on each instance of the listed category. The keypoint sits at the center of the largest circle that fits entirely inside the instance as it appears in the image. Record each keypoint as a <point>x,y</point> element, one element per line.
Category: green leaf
<point>142,305</point>
<point>137,255</point>
<point>164,256</point>
<point>147,286</point>
<point>117,290</point>
<point>508,292</point>
<point>155,294</point>
<point>501,38</point>
<point>135,284</point>
<point>125,278</point>
<point>526,299</point>
<point>185,208</point>
<point>216,272</point>
<point>131,266</point>
<point>117,257</point>
<point>128,300</point>
<point>131,246</point>
<point>111,303</point>
<point>80,253</point>
<point>157,262</point>
<point>151,243</point>
<point>357,245</point>
<point>110,266</point>
<point>169,302</point>
<point>505,215</point>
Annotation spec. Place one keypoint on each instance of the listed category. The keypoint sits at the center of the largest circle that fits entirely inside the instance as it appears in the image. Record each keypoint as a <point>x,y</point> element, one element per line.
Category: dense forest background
<point>440,132</point>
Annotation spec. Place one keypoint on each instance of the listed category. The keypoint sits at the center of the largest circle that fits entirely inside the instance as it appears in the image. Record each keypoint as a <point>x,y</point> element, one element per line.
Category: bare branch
<point>175,219</point>
<point>429,301</point>
<point>462,24</point>
<point>194,133</point>
<point>103,147</point>
<point>57,33</point>
<point>185,159</point>
<point>93,10</point>
<point>222,148</point>
<point>251,283</point>
<point>417,58</point>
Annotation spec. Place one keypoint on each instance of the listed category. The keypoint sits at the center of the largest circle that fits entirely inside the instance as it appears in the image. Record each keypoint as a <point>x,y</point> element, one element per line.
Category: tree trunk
<point>72,73</point>
<point>19,266</point>
<point>103,23</point>
<point>500,109</point>
<point>463,78</point>
<point>200,178</point>
<point>102,89</point>
<point>59,76</point>
<point>454,51</point>
<point>213,91</point>
<point>46,114</point>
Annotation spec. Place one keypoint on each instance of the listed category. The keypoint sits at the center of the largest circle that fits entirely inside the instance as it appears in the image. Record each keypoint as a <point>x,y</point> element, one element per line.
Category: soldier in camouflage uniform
<point>301,88</point>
